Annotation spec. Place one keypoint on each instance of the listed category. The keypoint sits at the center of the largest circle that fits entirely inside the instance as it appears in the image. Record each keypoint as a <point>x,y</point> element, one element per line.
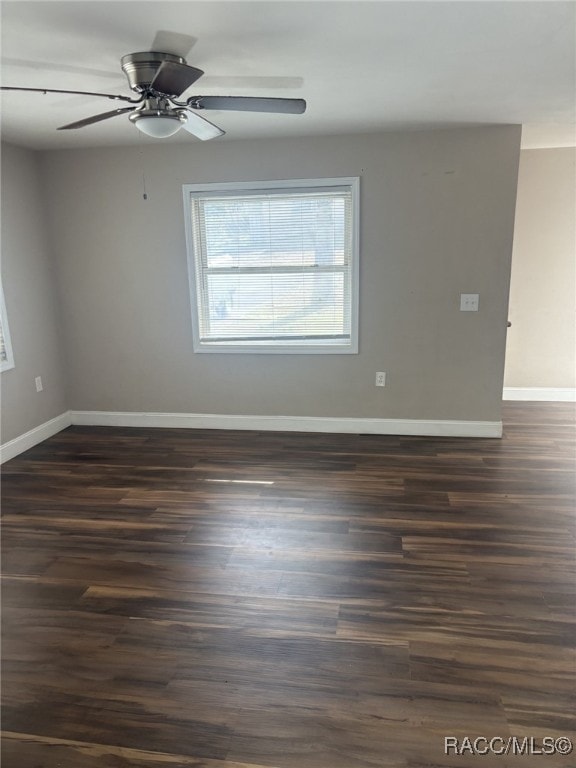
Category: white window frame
<point>311,348</point>
<point>5,365</point>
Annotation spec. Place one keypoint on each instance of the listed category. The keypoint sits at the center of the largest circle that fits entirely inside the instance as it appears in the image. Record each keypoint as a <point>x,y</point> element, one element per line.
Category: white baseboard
<point>427,428</point>
<point>557,394</point>
<point>416,427</point>
<point>34,436</point>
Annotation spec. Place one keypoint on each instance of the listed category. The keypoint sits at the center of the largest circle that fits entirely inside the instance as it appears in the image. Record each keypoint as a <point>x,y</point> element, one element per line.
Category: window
<point>6,356</point>
<point>274,265</point>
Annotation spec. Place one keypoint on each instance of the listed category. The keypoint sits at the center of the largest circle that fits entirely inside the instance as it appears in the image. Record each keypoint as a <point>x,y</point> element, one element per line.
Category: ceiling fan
<point>160,79</point>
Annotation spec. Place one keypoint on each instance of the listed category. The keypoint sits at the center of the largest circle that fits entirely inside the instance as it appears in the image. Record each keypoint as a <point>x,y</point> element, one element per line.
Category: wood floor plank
<point>30,750</point>
<point>226,599</point>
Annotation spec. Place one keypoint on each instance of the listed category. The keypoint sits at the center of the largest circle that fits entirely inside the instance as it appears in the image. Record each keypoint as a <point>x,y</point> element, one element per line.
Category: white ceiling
<point>361,66</point>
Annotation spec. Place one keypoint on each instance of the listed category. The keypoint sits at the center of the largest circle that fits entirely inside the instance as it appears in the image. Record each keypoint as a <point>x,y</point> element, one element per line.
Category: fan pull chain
<point>144,192</point>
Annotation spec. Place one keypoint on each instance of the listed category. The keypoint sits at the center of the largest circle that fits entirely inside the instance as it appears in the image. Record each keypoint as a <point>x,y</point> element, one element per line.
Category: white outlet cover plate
<point>469,302</point>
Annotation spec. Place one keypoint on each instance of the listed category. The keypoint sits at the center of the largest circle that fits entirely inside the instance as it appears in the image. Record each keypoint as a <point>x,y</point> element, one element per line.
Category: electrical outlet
<point>380,379</point>
<point>469,302</point>
<point>38,381</point>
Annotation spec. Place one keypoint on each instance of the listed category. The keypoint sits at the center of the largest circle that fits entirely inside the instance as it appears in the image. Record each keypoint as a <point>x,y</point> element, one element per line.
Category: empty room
<point>287,350</point>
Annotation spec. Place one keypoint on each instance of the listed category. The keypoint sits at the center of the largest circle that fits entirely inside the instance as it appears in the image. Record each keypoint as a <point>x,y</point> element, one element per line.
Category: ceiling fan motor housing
<point>140,68</point>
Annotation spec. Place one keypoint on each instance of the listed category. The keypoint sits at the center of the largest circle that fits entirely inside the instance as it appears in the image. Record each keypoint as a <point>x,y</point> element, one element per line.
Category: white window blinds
<point>3,352</point>
<point>274,268</point>
<point>6,356</point>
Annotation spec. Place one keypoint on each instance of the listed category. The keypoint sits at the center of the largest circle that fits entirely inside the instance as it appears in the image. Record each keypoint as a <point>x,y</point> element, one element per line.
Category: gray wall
<point>541,344</point>
<point>29,291</point>
<point>437,219</point>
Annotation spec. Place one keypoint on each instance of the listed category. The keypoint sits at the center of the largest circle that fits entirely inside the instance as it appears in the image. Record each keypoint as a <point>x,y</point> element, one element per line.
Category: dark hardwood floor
<point>208,599</point>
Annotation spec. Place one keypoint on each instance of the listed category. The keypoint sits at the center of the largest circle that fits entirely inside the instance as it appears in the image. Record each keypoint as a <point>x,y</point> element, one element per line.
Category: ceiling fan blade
<point>201,128</point>
<point>173,42</point>
<point>173,79</point>
<point>95,118</point>
<point>76,93</point>
<point>248,104</point>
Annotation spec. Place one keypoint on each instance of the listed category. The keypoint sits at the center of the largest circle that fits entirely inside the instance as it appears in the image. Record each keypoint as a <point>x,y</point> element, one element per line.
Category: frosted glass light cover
<point>158,126</point>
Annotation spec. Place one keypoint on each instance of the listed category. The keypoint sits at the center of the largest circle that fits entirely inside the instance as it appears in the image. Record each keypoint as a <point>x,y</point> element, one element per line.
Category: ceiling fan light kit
<point>157,126</point>
<point>159,79</point>
<point>158,120</point>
